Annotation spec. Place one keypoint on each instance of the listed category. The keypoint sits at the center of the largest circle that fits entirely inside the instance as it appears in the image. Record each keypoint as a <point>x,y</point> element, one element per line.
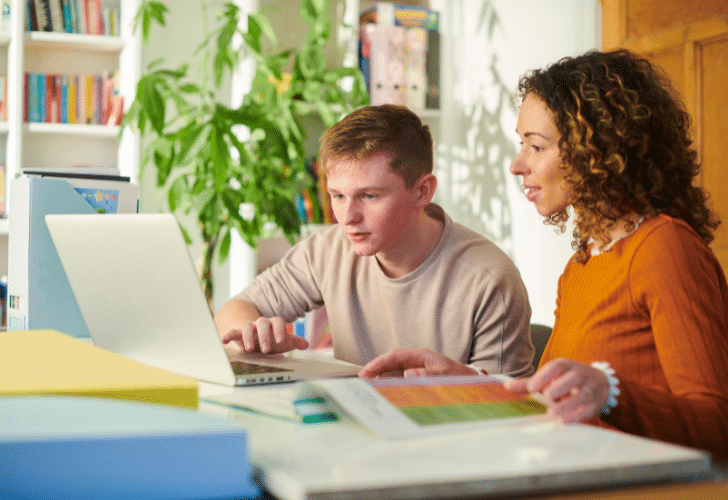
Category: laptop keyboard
<point>244,368</point>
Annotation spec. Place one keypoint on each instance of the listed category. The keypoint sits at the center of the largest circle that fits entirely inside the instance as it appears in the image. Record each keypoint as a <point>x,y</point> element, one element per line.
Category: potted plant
<point>202,163</point>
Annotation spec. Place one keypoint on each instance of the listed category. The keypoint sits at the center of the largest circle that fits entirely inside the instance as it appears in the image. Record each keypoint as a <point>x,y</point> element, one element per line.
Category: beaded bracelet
<point>613,383</point>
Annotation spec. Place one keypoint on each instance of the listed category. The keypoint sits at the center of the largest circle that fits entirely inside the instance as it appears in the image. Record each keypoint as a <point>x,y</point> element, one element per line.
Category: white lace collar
<point>598,251</point>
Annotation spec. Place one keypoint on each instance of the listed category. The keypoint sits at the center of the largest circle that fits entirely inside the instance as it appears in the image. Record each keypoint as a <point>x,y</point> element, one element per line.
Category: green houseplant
<point>203,163</point>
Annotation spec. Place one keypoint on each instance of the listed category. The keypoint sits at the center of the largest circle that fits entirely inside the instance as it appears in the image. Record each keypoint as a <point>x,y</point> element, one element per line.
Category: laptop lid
<point>140,296</point>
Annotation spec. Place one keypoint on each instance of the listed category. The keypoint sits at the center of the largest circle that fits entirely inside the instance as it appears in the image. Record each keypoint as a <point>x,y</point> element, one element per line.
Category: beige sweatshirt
<point>466,301</point>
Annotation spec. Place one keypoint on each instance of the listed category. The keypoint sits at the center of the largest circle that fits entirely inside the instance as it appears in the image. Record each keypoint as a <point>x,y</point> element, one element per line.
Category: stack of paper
<point>88,448</point>
<point>45,362</point>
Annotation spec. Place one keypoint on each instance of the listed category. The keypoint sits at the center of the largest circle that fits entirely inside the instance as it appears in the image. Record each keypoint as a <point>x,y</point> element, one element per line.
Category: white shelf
<point>59,145</point>
<point>72,41</point>
<point>72,129</point>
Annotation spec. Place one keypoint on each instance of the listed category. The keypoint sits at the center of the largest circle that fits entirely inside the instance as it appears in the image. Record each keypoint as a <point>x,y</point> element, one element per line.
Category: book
<point>94,13</point>
<point>31,22</point>
<point>383,48</point>
<point>432,69</point>
<point>72,97</point>
<point>75,18</point>
<point>411,16</point>
<point>415,74</point>
<point>47,362</point>
<point>67,16</point>
<point>396,408</point>
<point>57,21</point>
<point>52,99</point>
<point>419,54</point>
<point>43,15</point>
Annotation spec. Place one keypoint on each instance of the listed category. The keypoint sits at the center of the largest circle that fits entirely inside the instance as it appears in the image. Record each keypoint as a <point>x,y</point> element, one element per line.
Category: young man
<point>395,271</point>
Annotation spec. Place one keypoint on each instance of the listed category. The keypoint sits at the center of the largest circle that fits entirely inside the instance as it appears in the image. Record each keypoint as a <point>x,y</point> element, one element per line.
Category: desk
<point>342,460</point>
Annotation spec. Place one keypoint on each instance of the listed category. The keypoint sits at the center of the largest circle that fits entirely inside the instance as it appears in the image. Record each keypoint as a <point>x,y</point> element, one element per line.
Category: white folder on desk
<point>343,460</point>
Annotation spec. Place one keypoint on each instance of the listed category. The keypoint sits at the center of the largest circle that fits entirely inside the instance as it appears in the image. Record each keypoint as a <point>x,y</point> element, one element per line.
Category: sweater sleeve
<point>289,287</point>
<point>676,280</point>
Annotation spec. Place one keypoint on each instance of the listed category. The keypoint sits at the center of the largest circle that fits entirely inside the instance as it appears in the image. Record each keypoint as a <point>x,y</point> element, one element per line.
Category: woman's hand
<point>574,391</point>
<point>418,362</point>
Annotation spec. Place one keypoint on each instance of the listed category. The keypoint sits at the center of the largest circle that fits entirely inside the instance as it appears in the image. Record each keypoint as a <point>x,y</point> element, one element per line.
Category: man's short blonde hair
<point>392,130</point>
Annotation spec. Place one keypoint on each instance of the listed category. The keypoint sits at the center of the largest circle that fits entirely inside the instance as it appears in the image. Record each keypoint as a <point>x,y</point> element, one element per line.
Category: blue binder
<point>88,448</point>
<point>39,294</point>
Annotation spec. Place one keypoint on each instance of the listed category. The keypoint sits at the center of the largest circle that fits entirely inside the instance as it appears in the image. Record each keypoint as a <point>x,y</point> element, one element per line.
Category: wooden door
<point>689,39</point>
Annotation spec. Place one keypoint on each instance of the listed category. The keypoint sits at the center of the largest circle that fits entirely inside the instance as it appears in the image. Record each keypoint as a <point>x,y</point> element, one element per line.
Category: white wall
<point>477,130</point>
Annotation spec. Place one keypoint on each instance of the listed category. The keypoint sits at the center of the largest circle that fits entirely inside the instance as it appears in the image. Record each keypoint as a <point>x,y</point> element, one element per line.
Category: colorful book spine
<point>43,15</point>
<point>432,68</point>
<point>75,19</point>
<point>64,98</point>
<point>83,17</point>
<point>31,22</point>
<point>56,16</point>
<point>72,90</point>
<point>415,67</point>
<point>67,16</point>
<point>88,99</point>
<point>26,97</point>
<point>419,85</point>
<point>95,21</point>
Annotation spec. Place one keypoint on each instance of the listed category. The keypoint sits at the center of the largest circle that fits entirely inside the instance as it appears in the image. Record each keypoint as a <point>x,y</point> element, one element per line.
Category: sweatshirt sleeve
<point>289,288</point>
<point>676,279</point>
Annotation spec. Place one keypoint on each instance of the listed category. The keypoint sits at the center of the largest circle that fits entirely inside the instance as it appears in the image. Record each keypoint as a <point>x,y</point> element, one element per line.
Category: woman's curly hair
<point>625,143</point>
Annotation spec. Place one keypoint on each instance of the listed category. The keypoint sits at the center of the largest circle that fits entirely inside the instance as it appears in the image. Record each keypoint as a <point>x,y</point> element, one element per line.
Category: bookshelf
<point>62,145</point>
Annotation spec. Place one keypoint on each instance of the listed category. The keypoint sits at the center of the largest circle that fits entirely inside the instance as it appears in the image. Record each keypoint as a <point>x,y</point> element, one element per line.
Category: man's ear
<point>425,189</point>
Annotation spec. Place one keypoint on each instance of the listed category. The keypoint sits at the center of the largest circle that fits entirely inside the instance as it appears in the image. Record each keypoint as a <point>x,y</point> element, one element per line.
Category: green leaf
<point>224,248</point>
<point>186,234</point>
<point>149,11</point>
<point>193,143</point>
<point>176,193</point>
<point>152,102</point>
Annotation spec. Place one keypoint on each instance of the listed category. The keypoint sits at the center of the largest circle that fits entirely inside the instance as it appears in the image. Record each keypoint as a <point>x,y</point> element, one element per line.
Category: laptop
<point>139,293</point>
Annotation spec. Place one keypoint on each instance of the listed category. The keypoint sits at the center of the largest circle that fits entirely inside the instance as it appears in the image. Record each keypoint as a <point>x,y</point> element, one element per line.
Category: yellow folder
<point>36,362</point>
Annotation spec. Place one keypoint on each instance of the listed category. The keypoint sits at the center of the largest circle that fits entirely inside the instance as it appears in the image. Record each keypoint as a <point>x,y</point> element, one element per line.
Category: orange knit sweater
<point>655,307</point>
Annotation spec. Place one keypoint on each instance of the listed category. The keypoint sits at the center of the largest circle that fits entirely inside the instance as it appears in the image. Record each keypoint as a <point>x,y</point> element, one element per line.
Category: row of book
<point>89,17</point>
<point>399,55</point>
<point>314,204</point>
<point>73,99</point>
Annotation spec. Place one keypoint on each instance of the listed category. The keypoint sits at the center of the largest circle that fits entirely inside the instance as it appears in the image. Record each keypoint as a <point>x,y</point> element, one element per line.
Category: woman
<point>640,338</point>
